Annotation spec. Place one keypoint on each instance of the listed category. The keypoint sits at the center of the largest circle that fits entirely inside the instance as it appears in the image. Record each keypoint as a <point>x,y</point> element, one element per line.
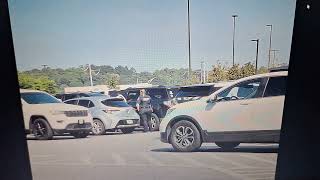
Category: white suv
<point>247,111</point>
<point>45,116</point>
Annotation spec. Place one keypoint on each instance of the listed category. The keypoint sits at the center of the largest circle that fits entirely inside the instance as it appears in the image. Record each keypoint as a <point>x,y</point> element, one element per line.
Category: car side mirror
<point>212,99</point>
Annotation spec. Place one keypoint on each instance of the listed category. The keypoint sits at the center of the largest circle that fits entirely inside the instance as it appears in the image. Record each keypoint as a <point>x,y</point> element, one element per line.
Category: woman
<point>145,109</point>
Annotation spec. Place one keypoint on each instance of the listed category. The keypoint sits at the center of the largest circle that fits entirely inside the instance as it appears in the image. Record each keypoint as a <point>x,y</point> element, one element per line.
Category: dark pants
<point>145,117</point>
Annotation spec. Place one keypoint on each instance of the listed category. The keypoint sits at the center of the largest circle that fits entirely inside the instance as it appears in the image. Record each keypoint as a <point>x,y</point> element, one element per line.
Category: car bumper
<point>124,123</point>
<point>164,137</point>
<point>74,127</point>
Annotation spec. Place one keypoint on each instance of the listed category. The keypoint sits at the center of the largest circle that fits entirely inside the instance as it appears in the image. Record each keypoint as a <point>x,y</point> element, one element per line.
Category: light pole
<point>189,44</point>
<point>257,53</point>
<point>270,25</point>
<point>234,34</point>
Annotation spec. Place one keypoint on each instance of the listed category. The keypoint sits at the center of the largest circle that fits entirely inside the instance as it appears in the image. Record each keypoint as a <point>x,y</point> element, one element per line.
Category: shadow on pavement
<point>239,149</point>
<point>55,138</point>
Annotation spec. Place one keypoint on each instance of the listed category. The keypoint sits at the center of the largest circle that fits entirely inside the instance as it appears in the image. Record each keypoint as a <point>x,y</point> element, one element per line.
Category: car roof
<point>94,98</point>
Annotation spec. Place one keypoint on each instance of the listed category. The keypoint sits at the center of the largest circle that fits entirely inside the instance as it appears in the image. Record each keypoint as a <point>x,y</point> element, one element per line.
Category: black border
<point>299,144</point>
<point>14,155</point>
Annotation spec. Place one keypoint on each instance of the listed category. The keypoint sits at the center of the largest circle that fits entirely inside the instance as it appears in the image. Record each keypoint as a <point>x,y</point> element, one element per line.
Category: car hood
<point>59,107</point>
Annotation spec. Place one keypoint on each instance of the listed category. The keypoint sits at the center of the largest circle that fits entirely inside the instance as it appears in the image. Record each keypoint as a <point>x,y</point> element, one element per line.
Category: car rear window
<point>158,93</point>
<point>115,103</point>
<point>195,91</point>
<point>38,98</point>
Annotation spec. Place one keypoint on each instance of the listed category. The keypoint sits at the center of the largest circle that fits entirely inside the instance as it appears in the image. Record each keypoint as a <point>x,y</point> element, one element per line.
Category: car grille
<point>124,122</point>
<point>76,113</point>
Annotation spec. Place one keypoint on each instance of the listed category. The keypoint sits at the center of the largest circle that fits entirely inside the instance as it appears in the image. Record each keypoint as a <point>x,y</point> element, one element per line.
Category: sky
<point>147,34</point>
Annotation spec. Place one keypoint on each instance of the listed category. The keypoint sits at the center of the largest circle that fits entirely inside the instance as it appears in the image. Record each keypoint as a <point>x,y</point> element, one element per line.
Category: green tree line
<point>54,80</point>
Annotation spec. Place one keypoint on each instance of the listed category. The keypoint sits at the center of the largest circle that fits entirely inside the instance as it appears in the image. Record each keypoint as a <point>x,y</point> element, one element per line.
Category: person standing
<point>145,109</point>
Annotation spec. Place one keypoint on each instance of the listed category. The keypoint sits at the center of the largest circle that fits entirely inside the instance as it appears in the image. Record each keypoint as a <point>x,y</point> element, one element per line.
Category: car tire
<point>41,129</point>
<point>154,122</point>
<point>127,130</point>
<point>227,145</point>
<point>185,136</point>
<point>98,127</point>
<point>80,134</point>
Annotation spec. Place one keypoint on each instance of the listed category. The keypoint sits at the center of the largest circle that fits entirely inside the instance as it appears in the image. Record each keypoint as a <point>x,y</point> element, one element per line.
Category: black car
<point>196,92</point>
<point>66,96</point>
<point>161,101</point>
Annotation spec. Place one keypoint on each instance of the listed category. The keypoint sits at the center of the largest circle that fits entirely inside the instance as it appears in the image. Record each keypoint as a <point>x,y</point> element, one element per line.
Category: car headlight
<point>170,111</point>
<point>57,112</point>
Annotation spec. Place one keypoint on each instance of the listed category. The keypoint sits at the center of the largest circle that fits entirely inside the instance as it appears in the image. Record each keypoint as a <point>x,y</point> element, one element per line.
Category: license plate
<point>81,121</point>
<point>129,121</point>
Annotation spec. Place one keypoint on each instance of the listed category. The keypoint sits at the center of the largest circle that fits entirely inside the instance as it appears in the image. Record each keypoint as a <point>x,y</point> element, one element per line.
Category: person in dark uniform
<point>145,109</point>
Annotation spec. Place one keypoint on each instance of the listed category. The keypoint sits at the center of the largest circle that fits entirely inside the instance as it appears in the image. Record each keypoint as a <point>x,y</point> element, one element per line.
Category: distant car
<point>196,92</point>
<point>109,113</point>
<point>46,116</point>
<point>247,111</point>
<point>66,96</point>
<point>161,101</point>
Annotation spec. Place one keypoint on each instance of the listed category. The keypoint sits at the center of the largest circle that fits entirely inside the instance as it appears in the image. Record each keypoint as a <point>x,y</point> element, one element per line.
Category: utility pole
<point>257,53</point>
<point>202,74</point>
<point>270,25</point>
<point>274,56</point>
<point>189,43</point>
<point>90,73</point>
<point>233,37</point>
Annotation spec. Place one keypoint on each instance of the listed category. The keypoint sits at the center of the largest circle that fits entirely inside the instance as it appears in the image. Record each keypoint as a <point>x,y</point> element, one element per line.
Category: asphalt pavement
<point>141,156</point>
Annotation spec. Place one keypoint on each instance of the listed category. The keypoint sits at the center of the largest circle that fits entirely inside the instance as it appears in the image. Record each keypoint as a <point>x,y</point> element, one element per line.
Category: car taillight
<point>110,111</point>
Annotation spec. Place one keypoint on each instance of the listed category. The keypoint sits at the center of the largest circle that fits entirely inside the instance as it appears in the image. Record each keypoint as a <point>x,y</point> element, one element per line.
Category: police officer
<point>145,109</point>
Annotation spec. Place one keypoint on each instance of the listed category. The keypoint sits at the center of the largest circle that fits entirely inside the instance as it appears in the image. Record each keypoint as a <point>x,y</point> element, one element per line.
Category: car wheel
<point>80,134</point>
<point>154,122</point>
<point>227,145</point>
<point>41,129</point>
<point>185,136</point>
<point>127,130</point>
<point>98,127</point>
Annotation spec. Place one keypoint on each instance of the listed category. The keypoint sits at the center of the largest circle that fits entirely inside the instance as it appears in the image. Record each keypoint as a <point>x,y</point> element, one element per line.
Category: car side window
<point>74,102</point>
<point>90,104</point>
<point>244,90</point>
<point>276,86</point>
<point>83,103</point>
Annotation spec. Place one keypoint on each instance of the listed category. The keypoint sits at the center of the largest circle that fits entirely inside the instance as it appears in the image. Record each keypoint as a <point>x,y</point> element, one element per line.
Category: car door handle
<point>244,104</point>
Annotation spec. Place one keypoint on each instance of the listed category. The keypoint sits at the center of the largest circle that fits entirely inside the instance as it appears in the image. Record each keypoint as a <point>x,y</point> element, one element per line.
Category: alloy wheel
<point>184,136</point>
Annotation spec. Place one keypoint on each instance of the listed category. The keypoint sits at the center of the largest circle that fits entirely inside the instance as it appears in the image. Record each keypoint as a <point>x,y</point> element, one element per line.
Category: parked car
<point>66,96</point>
<point>109,113</point>
<point>161,101</point>
<point>46,116</point>
<point>196,92</point>
<point>247,111</point>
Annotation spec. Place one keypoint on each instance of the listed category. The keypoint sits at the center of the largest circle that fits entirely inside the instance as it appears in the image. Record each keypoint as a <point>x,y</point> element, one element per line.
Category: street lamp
<point>257,53</point>
<point>234,33</point>
<point>270,25</point>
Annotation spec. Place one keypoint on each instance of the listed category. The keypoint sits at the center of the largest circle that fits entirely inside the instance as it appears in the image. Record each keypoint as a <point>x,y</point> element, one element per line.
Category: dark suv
<point>67,96</point>
<point>195,92</point>
<point>161,101</point>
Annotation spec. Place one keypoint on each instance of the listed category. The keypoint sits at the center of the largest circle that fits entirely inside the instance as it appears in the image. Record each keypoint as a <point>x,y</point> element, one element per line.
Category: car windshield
<point>38,98</point>
<point>194,91</point>
<point>115,103</point>
<point>158,93</point>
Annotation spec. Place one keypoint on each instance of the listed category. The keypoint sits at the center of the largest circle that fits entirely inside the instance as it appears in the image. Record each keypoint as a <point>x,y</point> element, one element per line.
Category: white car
<point>247,111</point>
<point>109,113</point>
<point>46,116</point>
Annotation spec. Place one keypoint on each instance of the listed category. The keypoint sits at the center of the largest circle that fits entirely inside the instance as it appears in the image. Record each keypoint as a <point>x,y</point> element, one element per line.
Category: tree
<point>218,73</point>
<point>234,72</point>
<point>42,83</point>
<point>247,69</point>
<point>113,81</point>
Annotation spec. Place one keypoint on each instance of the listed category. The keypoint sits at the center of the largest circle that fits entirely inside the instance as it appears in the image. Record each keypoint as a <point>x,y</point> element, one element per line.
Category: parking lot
<point>142,156</point>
